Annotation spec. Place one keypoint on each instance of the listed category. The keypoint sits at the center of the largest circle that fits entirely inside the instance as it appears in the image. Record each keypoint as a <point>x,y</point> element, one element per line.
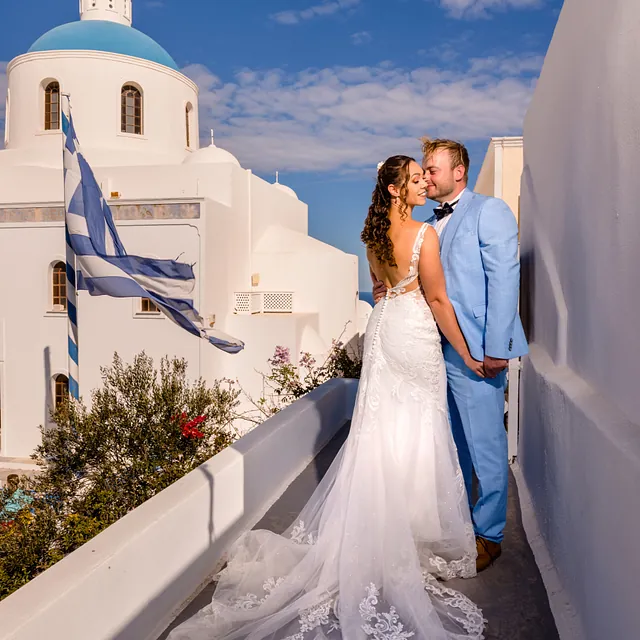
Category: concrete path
<point>511,593</point>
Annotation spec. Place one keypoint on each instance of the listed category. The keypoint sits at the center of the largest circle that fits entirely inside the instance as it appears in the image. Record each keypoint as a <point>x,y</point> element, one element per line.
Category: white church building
<point>259,275</point>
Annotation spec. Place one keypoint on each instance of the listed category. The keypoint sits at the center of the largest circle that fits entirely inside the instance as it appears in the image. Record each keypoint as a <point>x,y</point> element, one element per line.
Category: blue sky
<point>322,90</point>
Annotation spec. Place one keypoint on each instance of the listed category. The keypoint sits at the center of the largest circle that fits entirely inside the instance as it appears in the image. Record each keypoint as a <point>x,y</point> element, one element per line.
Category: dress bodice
<point>401,287</point>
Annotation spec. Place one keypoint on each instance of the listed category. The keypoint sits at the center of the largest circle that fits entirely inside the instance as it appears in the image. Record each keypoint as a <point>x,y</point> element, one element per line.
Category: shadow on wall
<point>527,293</point>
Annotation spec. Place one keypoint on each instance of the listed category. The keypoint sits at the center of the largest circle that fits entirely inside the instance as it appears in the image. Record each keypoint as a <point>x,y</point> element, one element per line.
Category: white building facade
<point>260,276</point>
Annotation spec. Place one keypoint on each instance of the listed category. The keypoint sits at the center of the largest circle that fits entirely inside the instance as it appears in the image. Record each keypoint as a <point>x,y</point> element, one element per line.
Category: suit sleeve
<point>498,237</point>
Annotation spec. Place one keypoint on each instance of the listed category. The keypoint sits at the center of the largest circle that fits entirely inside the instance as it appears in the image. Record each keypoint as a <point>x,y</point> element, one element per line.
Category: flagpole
<point>72,298</point>
<point>72,322</point>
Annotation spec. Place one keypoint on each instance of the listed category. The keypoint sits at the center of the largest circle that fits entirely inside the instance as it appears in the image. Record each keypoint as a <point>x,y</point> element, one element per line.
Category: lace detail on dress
<point>322,615</point>
<point>299,534</point>
<point>251,600</point>
<point>465,567</point>
<point>318,616</point>
<point>471,620</point>
<point>386,626</point>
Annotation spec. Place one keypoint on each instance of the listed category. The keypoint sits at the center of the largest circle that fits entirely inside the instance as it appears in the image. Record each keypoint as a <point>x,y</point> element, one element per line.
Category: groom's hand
<point>493,366</point>
<point>379,291</point>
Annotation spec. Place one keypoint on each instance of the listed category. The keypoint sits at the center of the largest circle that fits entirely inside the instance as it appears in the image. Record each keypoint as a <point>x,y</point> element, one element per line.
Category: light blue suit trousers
<point>479,253</point>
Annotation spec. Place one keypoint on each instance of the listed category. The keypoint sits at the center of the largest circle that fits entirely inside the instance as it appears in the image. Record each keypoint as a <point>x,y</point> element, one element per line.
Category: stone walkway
<point>511,593</point>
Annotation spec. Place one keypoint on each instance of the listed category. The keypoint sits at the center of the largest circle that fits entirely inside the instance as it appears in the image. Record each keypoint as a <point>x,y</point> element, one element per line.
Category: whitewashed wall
<point>94,81</point>
<point>580,435</point>
<point>113,10</point>
<point>35,337</point>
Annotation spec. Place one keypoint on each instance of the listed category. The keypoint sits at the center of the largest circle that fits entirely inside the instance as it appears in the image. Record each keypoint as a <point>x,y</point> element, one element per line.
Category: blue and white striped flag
<point>103,266</point>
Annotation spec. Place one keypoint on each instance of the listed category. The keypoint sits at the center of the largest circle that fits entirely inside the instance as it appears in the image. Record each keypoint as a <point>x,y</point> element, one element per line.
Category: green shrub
<point>146,428</point>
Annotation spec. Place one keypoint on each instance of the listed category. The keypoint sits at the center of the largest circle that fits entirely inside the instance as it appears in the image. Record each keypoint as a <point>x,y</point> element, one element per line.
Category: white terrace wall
<point>580,436</point>
<point>130,582</point>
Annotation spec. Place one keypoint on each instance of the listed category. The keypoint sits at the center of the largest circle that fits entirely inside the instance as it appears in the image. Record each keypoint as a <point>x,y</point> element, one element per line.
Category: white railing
<point>131,580</point>
<point>252,302</point>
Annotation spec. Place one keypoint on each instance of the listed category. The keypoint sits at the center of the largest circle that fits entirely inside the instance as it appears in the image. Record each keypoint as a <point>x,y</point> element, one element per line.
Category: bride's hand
<point>476,366</point>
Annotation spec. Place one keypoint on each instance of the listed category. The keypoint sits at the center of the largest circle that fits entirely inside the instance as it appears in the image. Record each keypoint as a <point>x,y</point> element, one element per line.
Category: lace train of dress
<point>389,518</point>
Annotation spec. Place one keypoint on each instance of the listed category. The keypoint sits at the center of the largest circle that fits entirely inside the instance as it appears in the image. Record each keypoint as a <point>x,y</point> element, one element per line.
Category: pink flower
<point>280,357</point>
<point>307,360</point>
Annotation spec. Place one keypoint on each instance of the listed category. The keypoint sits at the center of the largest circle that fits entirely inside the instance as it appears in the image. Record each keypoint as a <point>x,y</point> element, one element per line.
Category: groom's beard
<point>441,193</point>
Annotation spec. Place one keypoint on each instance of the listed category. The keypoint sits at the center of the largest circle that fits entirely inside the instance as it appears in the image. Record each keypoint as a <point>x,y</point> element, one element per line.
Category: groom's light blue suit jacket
<point>479,253</point>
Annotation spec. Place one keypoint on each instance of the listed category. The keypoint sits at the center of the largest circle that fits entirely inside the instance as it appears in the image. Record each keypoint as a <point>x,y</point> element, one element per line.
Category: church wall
<point>26,186</point>
<point>263,333</point>
<point>94,80</point>
<point>113,10</point>
<point>323,278</point>
<point>35,348</point>
<point>231,231</point>
<point>272,207</point>
<point>579,445</point>
<point>167,182</point>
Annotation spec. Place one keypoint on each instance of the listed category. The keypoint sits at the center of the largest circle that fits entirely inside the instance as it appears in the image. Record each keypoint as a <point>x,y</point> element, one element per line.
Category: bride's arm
<point>435,291</point>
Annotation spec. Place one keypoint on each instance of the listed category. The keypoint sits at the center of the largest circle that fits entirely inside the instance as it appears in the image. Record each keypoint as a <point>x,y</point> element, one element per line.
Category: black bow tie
<point>444,210</point>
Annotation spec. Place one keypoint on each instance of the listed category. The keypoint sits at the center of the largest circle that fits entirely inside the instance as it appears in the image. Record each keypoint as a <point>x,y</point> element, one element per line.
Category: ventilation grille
<point>278,302</point>
<point>250,302</point>
<point>242,303</point>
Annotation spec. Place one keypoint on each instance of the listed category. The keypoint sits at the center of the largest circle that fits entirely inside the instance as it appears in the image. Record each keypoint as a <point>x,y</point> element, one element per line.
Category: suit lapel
<point>450,230</point>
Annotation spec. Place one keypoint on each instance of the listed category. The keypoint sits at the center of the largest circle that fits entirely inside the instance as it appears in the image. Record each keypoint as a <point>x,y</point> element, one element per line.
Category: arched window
<point>59,286</point>
<point>131,110</point>
<point>61,391</point>
<point>52,106</point>
<point>188,112</point>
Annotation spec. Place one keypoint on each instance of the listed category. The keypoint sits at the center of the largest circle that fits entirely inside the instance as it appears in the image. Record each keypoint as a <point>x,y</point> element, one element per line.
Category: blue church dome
<point>102,35</point>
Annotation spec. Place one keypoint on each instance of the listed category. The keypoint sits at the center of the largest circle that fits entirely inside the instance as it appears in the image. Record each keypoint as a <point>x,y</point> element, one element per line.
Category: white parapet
<point>129,582</point>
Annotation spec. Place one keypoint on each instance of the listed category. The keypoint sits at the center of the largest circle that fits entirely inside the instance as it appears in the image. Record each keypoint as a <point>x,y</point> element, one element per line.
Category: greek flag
<point>103,266</point>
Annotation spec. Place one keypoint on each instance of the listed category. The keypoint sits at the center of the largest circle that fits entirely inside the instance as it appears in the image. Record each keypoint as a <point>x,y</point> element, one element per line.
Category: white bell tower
<point>111,10</point>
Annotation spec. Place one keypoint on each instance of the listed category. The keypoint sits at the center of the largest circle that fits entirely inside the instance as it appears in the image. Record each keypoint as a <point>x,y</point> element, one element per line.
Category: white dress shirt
<point>439,225</point>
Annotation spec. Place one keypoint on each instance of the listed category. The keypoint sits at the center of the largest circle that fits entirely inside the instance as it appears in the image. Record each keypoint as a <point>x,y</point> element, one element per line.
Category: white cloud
<point>347,118</point>
<point>294,16</point>
<point>479,8</point>
<point>506,66</point>
<point>362,37</point>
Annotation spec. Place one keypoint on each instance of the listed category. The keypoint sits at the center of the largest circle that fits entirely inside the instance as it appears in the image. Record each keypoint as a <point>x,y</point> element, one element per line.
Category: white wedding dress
<point>388,520</point>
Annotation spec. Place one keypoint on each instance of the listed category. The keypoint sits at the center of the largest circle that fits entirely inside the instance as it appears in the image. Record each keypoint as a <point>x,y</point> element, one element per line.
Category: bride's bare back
<point>403,236</point>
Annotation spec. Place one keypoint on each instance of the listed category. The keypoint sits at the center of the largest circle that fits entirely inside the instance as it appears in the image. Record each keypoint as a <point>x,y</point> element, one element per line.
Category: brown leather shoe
<point>488,553</point>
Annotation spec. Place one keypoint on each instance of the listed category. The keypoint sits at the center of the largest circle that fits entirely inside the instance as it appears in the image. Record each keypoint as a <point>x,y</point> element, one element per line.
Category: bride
<point>390,519</point>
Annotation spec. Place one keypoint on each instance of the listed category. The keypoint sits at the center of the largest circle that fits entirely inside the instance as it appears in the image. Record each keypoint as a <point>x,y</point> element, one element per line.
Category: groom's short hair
<point>457,151</point>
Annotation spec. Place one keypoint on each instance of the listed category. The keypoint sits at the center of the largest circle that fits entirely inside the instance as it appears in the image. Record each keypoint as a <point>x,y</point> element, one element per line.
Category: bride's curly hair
<point>375,235</point>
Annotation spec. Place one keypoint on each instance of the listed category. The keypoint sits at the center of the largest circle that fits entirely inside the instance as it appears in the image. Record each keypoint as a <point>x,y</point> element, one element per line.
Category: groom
<point>479,253</point>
